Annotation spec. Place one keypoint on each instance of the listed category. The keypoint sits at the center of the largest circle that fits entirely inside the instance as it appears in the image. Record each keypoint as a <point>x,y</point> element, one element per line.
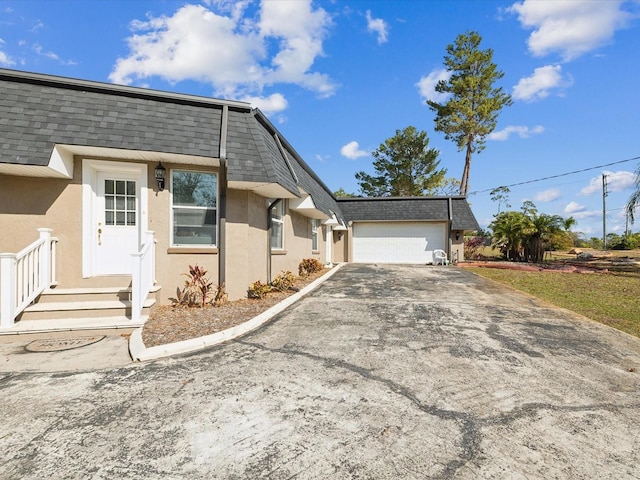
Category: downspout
<point>222,207</point>
<point>275,202</point>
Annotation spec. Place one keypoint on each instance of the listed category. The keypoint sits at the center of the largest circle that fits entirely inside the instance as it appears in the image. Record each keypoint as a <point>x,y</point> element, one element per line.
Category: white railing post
<point>152,241</point>
<point>54,276</point>
<point>136,287</point>
<point>142,275</point>
<point>45,257</point>
<point>7,289</point>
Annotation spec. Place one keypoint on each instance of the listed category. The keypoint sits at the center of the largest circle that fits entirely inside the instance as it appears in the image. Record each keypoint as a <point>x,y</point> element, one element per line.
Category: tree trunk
<point>464,183</point>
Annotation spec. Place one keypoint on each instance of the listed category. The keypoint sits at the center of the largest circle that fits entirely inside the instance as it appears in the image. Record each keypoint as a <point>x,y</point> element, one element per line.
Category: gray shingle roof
<point>305,177</point>
<point>39,111</point>
<point>409,209</point>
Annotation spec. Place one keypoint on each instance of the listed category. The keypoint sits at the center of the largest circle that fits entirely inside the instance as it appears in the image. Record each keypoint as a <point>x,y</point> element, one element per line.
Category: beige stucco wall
<point>457,246</point>
<point>173,262</point>
<point>29,203</point>
<point>297,244</point>
<point>246,241</point>
<point>339,249</point>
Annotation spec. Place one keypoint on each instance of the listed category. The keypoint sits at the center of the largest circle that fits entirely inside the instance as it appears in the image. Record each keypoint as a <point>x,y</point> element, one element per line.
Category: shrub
<point>258,290</point>
<point>284,281</point>
<point>221,296</point>
<point>197,288</point>
<point>472,245</point>
<point>308,266</point>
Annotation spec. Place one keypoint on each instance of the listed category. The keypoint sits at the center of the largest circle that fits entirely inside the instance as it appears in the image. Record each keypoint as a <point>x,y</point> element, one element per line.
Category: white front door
<point>114,218</point>
<point>117,219</point>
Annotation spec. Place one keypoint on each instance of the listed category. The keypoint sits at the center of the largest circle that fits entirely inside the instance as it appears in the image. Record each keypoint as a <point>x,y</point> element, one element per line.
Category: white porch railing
<point>25,275</point>
<point>143,275</point>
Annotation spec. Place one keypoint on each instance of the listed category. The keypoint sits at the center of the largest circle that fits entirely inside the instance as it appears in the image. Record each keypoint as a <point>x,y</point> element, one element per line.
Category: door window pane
<point>119,202</point>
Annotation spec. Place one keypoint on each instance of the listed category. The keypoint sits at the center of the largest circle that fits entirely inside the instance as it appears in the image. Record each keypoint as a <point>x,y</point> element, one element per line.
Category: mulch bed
<point>169,324</point>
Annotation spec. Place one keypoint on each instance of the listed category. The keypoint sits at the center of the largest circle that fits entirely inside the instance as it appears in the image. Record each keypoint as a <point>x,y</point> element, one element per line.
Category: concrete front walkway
<point>384,372</point>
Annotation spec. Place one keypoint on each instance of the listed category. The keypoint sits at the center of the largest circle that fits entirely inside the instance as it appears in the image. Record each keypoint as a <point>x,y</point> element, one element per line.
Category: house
<point>108,193</point>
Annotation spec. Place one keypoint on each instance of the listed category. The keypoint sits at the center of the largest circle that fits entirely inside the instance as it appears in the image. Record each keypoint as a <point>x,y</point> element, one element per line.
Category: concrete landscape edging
<point>140,353</point>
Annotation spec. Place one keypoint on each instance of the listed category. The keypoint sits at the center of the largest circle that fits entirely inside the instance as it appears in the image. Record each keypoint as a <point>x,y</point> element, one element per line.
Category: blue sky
<point>339,77</point>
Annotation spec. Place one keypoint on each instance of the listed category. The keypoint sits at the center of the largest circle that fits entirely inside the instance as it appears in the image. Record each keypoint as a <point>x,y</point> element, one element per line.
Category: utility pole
<point>604,211</point>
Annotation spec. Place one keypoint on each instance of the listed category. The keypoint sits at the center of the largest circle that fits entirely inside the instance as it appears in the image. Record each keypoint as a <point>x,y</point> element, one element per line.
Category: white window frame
<point>315,235</point>
<point>279,220</point>
<point>172,206</point>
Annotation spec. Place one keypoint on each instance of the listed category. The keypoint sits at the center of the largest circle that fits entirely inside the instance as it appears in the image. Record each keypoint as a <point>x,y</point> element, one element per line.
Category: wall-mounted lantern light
<point>457,235</point>
<point>160,172</point>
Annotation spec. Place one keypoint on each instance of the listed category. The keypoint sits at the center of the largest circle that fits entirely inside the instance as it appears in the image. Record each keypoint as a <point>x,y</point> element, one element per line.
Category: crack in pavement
<point>530,409</point>
<point>469,425</point>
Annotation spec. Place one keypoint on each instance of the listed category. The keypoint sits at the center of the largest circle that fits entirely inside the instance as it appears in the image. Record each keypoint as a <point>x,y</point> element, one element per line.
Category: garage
<point>397,242</point>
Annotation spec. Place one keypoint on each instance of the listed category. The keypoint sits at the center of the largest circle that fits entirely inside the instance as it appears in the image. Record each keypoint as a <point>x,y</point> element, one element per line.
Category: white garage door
<point>397,242</point>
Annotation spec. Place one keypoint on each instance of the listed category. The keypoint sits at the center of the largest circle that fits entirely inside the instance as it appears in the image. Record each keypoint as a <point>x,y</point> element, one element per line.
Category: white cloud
<point>379,27</point>
<point>300,31</point>
<point>51,55</point>
<point>4,58</point>
<point>272,104</point>
<point>521,131</point>
<point>230,50</point>
<point>574,207</point>
<point>547,195</point>
<point>570,27</point>
<point>616,182</point>
<point>538,85</point>
<point>586,214</point>
<point>352,151</point>
<point>427,85</point>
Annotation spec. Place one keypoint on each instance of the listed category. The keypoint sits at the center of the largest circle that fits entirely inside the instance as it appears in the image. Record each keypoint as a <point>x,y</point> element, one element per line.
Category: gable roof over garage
<point>389,209</point>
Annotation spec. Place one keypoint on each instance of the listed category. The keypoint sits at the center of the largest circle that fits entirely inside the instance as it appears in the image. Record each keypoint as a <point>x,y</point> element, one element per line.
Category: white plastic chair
<point>440,257</point>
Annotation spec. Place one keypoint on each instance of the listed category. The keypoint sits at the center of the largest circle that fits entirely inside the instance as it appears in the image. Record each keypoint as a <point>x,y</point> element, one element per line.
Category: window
<point>277,226</point>
<point>194,197</point>
<point>315,226</point>
<point>119,202</point>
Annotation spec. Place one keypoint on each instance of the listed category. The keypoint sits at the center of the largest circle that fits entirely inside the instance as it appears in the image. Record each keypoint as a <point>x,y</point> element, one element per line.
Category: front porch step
<point>94,293</point>
<point>81,309</point>
<point>117,325</point>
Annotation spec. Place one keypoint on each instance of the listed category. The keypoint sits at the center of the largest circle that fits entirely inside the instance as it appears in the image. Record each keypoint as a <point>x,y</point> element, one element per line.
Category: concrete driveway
<point>384,372</point>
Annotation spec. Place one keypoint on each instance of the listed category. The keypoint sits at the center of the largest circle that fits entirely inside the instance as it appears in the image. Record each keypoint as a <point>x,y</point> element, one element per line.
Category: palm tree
<point>634,199</point>
<point>509,229</point>
<point>543,228</point>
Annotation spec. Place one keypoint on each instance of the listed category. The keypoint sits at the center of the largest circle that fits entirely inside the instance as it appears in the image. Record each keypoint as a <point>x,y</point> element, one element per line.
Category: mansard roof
<point>40,112</point>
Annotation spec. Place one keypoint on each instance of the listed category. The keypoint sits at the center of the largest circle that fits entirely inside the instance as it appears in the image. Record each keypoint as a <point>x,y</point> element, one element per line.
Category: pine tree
<point>471,111</point>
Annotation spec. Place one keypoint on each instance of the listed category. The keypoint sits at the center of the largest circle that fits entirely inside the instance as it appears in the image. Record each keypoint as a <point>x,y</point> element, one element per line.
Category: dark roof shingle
<point>409,209</point>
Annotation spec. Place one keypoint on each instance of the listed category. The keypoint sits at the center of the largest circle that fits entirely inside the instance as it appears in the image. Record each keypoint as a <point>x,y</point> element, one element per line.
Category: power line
<point>559,175</point>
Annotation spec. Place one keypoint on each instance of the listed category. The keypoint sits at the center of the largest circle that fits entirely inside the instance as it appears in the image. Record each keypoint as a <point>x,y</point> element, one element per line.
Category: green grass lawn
<point>611,298</point>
